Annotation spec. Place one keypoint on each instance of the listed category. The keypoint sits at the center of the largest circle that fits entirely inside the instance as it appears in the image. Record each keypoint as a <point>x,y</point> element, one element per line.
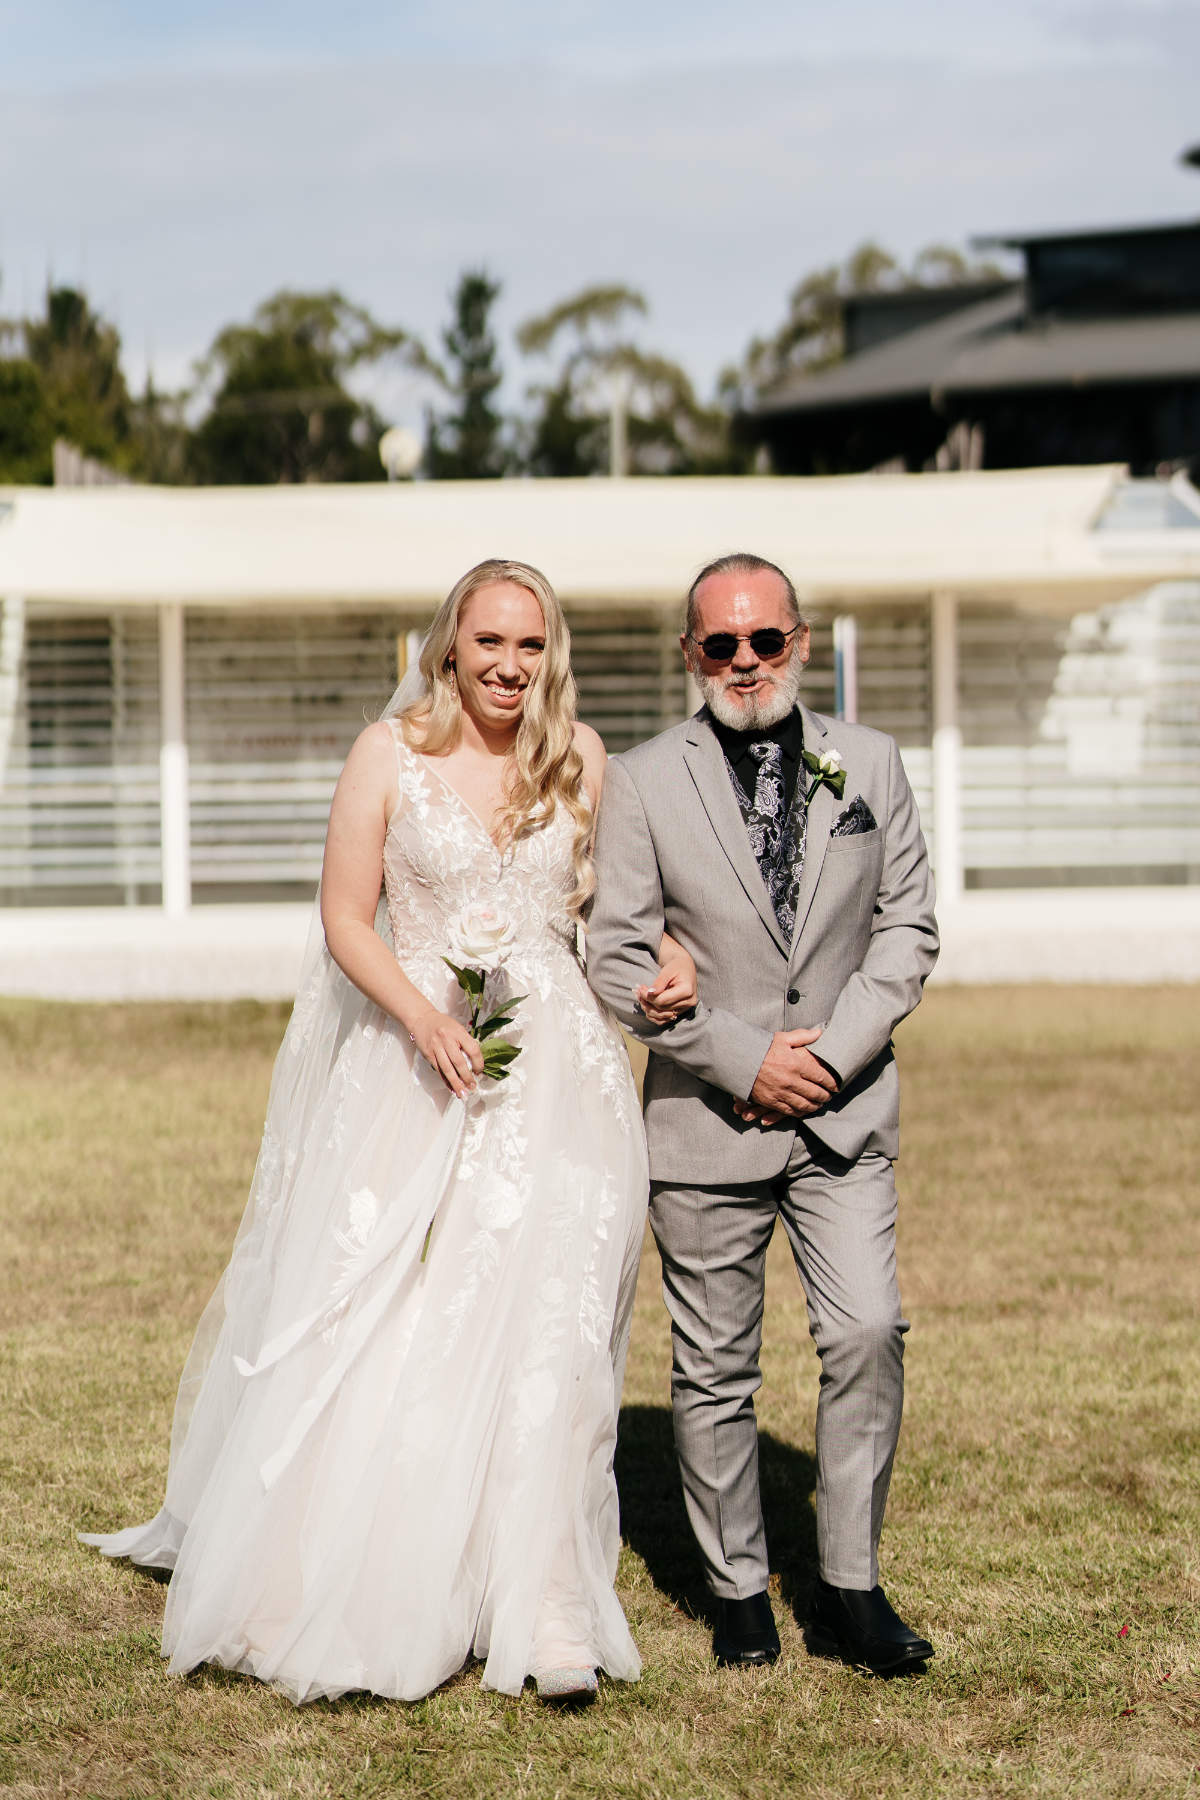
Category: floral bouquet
<point>481,940</point>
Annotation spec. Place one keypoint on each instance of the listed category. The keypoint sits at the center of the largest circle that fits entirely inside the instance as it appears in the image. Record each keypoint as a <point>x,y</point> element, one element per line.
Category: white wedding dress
<point>383,1466</point>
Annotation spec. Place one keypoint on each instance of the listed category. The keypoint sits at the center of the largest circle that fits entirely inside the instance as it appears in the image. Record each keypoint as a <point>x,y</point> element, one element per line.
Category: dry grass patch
<point>1043,1525</point>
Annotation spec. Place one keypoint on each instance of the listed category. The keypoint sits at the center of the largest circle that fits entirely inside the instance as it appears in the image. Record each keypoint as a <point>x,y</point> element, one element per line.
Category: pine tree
<point>466,444</point>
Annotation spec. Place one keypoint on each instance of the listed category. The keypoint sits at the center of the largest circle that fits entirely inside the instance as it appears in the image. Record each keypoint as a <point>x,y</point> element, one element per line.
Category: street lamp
<point>400,452</point>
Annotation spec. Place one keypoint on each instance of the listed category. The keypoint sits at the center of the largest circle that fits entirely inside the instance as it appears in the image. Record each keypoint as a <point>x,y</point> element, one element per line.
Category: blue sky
<point>182,161</point>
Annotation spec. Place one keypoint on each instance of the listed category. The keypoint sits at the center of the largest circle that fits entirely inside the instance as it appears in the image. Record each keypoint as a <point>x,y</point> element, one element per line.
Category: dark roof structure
<point>1093,356</point>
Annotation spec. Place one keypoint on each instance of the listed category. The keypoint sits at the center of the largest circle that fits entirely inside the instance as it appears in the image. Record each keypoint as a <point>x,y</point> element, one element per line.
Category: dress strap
<point>401,749</point>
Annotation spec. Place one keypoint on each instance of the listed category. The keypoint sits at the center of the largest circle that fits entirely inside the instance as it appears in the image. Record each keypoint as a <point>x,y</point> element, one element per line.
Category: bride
<point>393,1442</point>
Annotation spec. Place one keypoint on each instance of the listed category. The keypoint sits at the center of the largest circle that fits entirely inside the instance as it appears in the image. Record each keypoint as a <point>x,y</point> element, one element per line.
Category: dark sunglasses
<point>721,646</point>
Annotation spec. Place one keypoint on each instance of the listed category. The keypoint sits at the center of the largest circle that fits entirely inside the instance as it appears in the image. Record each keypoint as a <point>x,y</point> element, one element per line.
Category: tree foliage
<point>467,442</point>
<point>26,433</point>
<point>610,405</point>
<point>281,410</point>
<point>277,401</point>
<point>62,378</point>
<point>78,356</point>
<point>811,336</point>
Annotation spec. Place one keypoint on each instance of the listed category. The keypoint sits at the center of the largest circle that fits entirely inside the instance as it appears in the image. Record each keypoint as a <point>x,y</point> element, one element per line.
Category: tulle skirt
<point>385,1464</point>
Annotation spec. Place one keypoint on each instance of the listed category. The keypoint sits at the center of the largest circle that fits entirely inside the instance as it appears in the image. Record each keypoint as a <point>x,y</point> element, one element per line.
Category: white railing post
<point>12,654</point>
<point>173,763</point>
<point>618,428</point>
<point>947,751</point>
<point>845,667</point>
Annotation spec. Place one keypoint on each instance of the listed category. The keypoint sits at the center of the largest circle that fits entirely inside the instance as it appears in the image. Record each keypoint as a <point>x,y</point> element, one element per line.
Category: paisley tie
<point>776,836</point>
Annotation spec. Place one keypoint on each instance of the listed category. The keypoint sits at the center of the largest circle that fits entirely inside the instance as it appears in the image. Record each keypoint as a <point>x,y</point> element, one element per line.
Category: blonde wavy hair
<point>547,769</point>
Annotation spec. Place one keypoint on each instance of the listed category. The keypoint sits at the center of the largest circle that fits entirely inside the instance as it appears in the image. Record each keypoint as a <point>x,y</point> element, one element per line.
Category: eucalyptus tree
<point>280,409</point>
<point>812,336</point>
<point>608,405</point>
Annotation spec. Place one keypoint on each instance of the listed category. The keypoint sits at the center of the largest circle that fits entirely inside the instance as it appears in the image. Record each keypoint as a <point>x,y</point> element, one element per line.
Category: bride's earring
<point>454,681</point>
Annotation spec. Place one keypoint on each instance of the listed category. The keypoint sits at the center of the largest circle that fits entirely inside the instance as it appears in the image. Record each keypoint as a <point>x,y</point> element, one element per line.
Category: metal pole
<point>845,667</point>
<point>173,764</point>
<point>947,751</point>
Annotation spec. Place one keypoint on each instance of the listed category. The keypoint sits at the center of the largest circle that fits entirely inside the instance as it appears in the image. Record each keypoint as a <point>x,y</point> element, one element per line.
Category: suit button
<point>793,996</point>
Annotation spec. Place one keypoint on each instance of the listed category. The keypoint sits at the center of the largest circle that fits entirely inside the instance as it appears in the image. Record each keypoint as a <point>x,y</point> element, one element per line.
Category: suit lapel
<point>820,819</point>
<point>706,765</point>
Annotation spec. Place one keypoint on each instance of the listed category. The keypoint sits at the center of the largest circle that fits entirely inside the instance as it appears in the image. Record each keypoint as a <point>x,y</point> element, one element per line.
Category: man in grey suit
<point>784,850</point>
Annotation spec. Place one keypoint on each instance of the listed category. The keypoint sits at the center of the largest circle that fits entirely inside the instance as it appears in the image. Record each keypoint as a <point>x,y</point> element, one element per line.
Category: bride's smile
<point>497,653</point>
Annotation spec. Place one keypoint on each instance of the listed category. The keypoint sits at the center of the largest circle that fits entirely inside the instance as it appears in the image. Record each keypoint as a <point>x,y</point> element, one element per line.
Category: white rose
<point>480,938</point>
<point>831,762</point>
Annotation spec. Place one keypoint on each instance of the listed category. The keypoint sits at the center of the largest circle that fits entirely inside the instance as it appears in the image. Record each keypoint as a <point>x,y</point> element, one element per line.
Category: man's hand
<point>791,1083</point>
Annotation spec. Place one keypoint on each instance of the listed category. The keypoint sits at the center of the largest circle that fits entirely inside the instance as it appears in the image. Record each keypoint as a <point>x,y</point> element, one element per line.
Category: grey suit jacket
<point>672,850</point>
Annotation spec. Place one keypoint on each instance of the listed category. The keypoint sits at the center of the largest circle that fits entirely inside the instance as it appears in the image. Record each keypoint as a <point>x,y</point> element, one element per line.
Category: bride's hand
<point>448,1047</point>
<point>673,994</point>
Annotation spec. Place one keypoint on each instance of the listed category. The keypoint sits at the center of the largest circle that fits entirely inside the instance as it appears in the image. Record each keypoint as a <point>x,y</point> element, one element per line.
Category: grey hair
<point>739,562</point>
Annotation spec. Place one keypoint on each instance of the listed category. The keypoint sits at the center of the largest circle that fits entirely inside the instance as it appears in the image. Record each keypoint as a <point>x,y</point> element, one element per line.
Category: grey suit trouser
<point>841,1221</point>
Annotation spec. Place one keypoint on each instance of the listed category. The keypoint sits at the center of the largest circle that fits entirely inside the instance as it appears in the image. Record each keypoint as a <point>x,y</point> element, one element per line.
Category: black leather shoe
<point>862,1628</point>
<point>745,1634</point>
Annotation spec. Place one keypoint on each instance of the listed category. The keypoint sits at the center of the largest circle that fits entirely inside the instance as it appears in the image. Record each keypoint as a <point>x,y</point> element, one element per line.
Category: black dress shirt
<point>788,734</point>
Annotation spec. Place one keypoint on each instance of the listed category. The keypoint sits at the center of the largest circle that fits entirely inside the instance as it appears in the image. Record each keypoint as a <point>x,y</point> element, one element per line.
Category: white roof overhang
<point>1024,536</point>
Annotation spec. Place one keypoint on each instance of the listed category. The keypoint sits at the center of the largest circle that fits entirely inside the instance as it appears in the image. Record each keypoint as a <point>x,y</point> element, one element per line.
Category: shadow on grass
<point>654,1523</point>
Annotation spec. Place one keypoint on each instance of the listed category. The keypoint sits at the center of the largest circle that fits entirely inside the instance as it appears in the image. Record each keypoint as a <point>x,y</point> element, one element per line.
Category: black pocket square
<point>857,818</point>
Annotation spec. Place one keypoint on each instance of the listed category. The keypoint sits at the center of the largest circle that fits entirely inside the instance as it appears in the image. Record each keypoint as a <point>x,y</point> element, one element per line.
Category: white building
<point>182,670</point>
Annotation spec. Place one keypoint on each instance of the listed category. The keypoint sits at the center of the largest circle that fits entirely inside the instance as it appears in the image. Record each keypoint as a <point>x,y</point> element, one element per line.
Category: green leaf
<point>497,1056</point>
<point>502,1016</point>
<point>497,1022</point>
<point>469,980</point>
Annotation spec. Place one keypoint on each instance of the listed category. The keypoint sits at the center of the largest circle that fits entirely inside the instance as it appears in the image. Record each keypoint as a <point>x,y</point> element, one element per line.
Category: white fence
<point>1079,757</point>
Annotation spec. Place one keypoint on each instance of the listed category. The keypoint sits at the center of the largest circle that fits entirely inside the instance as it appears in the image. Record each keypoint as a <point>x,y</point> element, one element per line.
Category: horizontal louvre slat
<point>1080,748</point>
<point>629,675</point>
<point>1080,737</point>
<point>80,802</point>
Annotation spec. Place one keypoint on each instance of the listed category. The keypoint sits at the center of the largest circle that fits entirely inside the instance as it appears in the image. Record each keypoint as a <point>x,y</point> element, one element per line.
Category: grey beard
<point>757,714</point>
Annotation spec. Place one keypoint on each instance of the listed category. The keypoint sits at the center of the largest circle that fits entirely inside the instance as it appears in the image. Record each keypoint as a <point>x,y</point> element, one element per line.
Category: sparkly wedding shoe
<point>567,1687</point>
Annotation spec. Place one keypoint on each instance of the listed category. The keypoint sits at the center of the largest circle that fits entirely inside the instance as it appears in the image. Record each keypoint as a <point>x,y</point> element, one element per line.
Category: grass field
<point>1043,1522</point>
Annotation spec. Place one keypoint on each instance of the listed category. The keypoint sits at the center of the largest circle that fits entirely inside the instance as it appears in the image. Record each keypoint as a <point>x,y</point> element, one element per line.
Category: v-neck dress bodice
<point>439,858</point>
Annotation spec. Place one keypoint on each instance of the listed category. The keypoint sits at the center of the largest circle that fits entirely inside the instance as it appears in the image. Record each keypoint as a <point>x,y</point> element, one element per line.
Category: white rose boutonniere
<point>826,771</point>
